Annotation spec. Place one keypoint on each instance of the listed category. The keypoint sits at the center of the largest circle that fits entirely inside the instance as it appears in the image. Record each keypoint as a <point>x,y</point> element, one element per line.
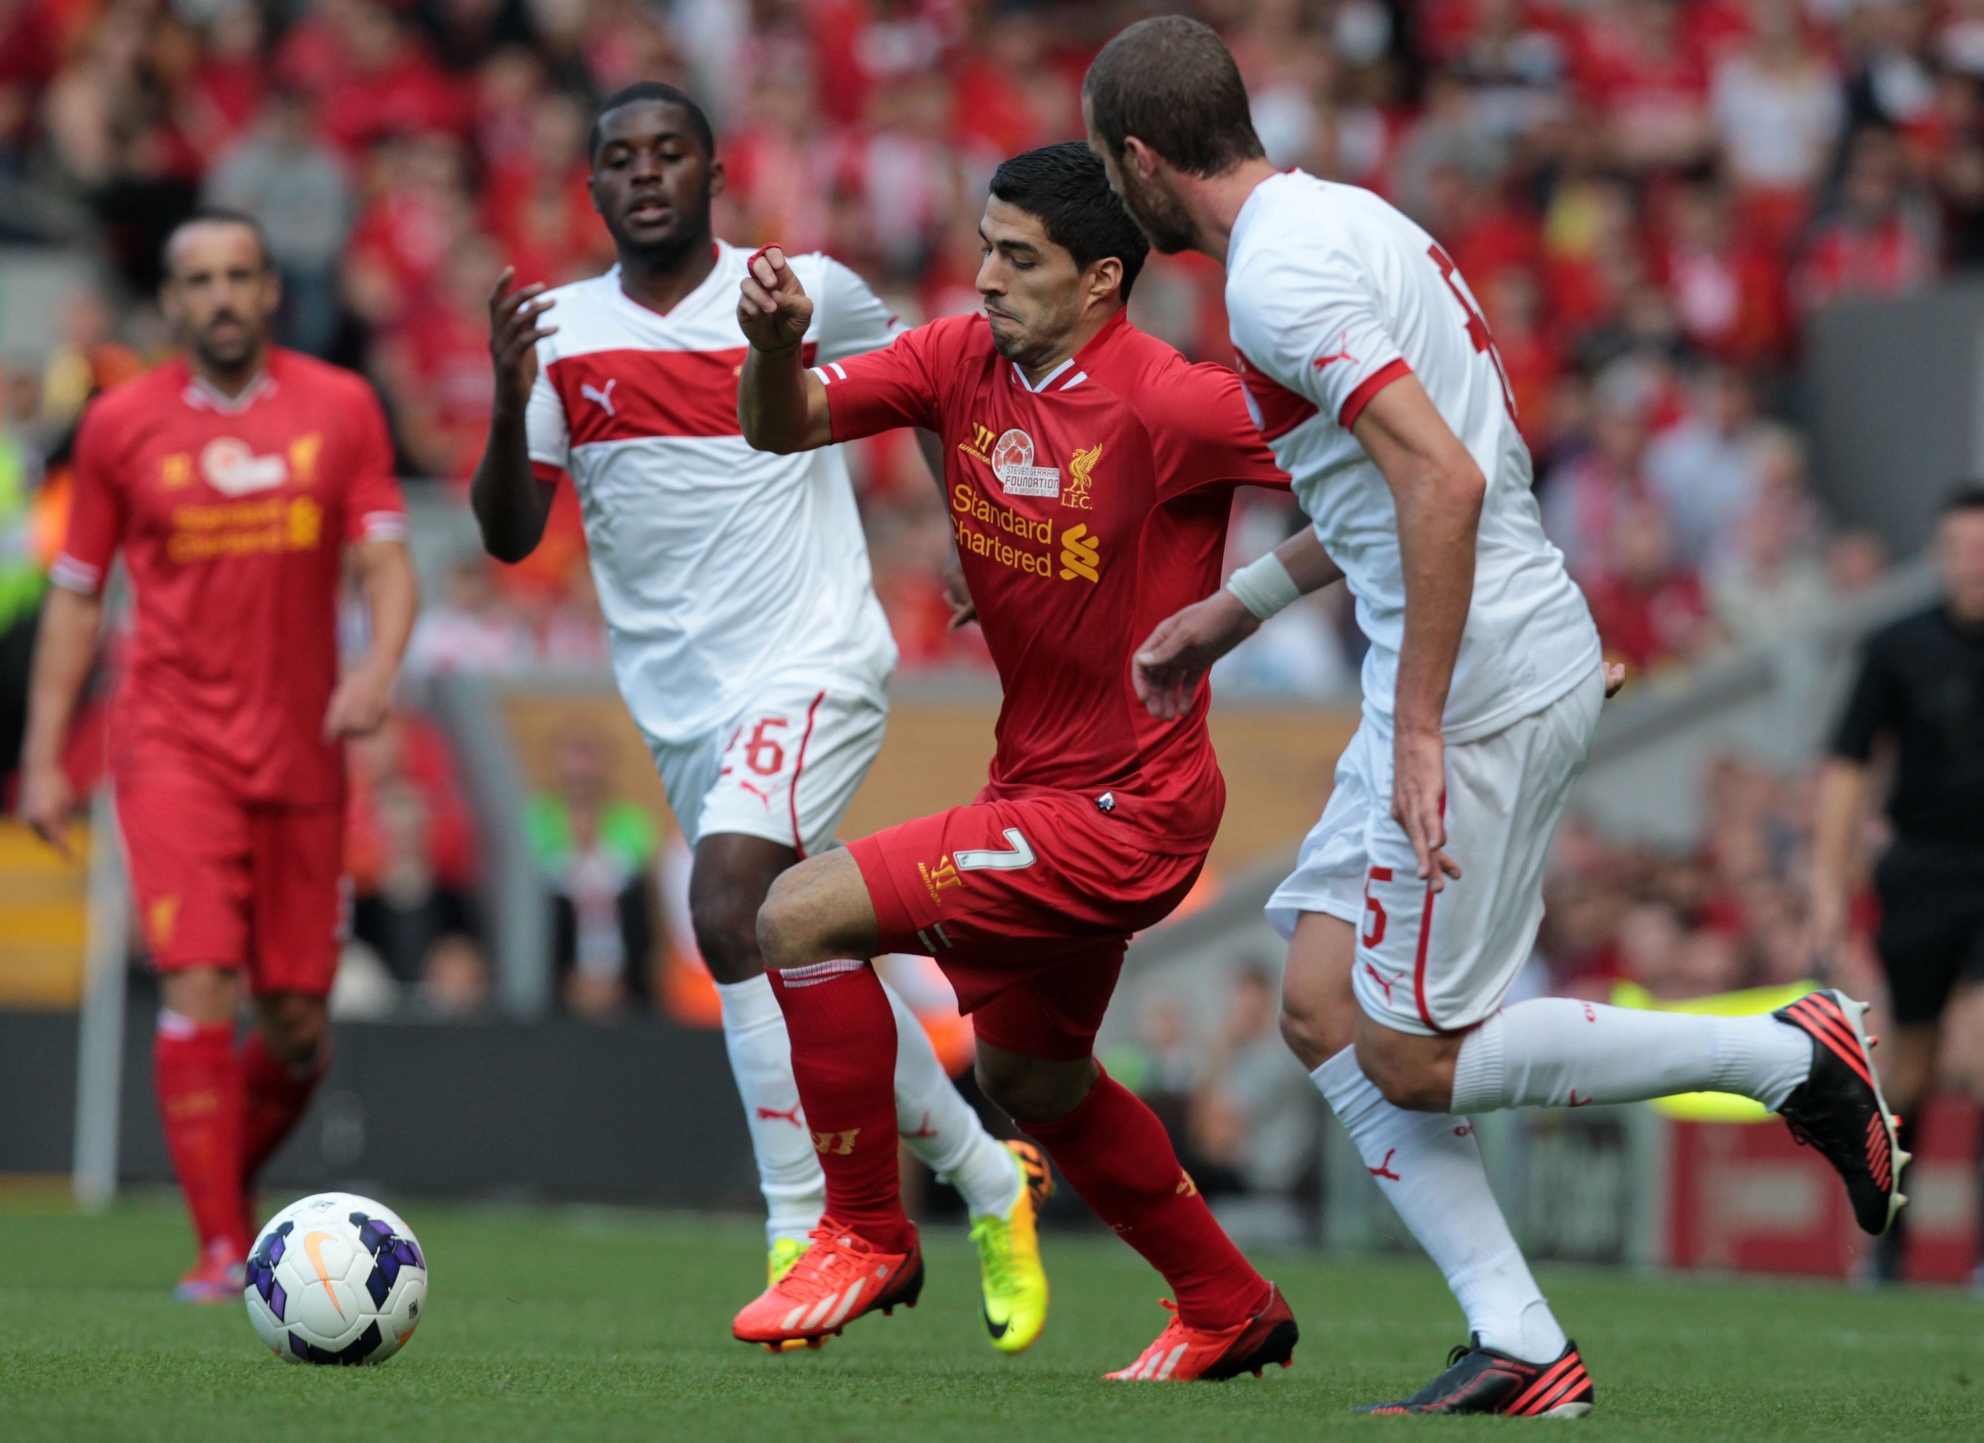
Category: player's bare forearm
<point>1437,490</point>
<point>1166,671</point>
<point>1167,668</point>
<point>392,597</point>
<point>64,645</point>
<point>1842,792</point>
<point>781,404</point>
<point>511,504</point>
<point>1307,564</point>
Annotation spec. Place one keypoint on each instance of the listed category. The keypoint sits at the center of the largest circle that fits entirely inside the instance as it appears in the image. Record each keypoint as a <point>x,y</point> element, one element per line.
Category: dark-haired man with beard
<point>747,640</point>
<point>1416,898</point>
<point>235,480</point>
<point>1089,473</point>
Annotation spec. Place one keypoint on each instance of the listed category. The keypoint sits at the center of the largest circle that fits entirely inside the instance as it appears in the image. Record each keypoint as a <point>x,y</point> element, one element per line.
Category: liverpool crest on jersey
<point>1012,463</point>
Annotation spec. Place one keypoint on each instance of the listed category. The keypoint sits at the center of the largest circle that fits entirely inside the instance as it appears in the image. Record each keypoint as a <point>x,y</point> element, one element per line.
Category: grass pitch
<point>586,1326</point>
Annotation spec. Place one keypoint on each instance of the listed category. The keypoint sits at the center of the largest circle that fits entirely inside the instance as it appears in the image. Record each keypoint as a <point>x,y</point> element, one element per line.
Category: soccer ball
<point>336,1278</point>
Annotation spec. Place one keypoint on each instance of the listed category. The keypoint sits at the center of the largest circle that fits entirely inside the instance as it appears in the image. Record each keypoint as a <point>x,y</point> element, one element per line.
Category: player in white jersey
<point>746,637</point>
<point>1417,897</point>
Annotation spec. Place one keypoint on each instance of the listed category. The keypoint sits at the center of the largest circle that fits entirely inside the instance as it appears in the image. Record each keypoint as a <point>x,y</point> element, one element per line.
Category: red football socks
<point>844,1059</point>
<point>276,1095</point>
<point>1114,1152</point>
<point>199,1089</point>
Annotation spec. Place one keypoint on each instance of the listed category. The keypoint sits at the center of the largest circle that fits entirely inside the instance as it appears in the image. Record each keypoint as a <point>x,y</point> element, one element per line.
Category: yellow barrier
<point>44,912</point>
<point>1750,1002</point>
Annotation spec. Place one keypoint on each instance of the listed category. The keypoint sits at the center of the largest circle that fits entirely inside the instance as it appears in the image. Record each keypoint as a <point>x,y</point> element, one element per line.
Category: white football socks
<point>938,1124</point>
<point>761,1060</point>
<point>1429,1168</point>
<point>1559,1052</point>
<point>942,1128</point>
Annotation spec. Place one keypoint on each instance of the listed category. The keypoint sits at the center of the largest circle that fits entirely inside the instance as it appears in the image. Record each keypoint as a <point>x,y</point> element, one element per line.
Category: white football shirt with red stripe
<point>1332,295</point>
<point>718,566</point>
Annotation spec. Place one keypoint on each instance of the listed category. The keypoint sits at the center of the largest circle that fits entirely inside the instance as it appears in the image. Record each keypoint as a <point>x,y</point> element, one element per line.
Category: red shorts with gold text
<point>1028,904</point>
<point>225,882</point>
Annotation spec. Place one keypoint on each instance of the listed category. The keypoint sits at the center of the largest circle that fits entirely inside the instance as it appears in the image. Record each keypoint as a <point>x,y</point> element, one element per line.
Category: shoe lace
<point>829,1252</point>
<point>1837,1151</point>
<point>993,1237</point>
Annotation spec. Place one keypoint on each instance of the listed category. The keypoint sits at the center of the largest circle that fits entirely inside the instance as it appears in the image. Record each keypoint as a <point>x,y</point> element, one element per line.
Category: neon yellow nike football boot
<point>778,1262</point>
<point>1015,1283</point>
<point>785,1252</point>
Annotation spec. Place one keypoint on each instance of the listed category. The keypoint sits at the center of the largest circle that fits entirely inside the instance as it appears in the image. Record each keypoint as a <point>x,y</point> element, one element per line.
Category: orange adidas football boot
<point>1182,1352</point>
<point>834,1281</point>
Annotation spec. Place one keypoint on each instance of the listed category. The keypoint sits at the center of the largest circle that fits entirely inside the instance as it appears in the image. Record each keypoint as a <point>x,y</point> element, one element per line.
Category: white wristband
<point>1264,586</point>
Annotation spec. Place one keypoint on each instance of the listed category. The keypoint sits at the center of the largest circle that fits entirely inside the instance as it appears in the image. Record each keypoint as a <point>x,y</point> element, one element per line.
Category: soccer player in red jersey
<point>235,479</point>
<point>1089,476</point>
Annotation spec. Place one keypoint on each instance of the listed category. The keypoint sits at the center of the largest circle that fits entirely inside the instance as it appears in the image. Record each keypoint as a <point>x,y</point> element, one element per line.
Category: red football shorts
<point>223,882</point>
<point>1027,904</point>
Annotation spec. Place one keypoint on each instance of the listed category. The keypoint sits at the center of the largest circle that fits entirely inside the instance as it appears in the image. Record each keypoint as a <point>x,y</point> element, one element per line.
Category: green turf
<point>582,1326</point>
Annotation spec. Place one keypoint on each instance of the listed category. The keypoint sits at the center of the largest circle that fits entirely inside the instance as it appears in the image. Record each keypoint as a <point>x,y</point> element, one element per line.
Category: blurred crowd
<point>1650,198</point>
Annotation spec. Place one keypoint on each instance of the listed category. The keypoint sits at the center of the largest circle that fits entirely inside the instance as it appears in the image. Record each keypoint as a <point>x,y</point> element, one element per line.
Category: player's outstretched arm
<point>511,504</point>
<point>1437,490</point>
<point>64,644</point>
<point>782,406</point>
<point>392,595</point>
<point>1168,667</point>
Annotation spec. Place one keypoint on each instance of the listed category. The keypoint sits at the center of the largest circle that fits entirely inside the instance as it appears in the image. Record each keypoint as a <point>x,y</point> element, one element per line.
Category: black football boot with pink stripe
<point>1839,1109</point>
<point>1483,1380</point>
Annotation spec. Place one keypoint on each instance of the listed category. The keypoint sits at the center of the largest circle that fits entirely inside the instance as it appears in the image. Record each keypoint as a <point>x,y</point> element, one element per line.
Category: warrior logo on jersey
<point>234,470</point>
<point>1012,463</point>
<point>980,444</point>
<point>1081,467</point>
<point>937,878</point>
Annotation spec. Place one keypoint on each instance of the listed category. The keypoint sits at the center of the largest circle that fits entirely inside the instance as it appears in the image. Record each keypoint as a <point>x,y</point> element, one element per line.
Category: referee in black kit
<point>1920,693</point>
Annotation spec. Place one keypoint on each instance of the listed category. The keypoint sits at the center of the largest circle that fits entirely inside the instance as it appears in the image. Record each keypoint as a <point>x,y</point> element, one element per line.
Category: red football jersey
<point>1086,510</point>
<point>233,513</point>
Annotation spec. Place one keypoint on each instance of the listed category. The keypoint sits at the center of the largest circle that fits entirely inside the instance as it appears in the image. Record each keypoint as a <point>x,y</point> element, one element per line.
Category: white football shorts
<point>1433,962</point>
<point>785,767</point>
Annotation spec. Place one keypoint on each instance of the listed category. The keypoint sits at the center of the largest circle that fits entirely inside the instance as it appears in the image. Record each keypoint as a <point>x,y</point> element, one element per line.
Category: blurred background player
<point>235,479</point>
<point>1416,898</point>
<point>1919,698</point>
<point>746,637</point>
<point>1089,474</point>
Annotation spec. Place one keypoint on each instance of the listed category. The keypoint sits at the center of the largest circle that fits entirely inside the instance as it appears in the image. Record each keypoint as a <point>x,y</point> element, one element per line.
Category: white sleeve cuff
<point>78,576</point>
